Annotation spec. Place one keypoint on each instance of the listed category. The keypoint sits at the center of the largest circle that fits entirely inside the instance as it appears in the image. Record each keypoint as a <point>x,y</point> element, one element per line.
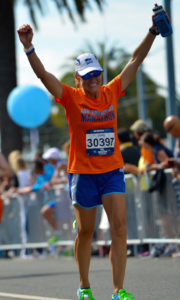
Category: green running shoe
<point>68,252</point>
<point>53,240</point>
<point>122,295</point>
<point>85,294</point>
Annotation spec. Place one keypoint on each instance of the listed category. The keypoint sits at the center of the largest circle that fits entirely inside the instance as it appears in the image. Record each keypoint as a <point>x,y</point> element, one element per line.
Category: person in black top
<point>130,153</point>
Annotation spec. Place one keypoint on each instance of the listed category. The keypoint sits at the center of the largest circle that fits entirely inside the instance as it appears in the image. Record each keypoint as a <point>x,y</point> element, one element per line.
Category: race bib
<point>100,142</point>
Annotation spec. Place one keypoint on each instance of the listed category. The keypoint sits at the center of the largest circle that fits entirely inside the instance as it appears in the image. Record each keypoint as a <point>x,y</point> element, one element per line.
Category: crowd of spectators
<point>21,177</point>
<point>142,149</point>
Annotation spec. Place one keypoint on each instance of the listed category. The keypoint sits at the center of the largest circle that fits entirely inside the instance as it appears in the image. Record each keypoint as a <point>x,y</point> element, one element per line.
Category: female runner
<point>95,166</point>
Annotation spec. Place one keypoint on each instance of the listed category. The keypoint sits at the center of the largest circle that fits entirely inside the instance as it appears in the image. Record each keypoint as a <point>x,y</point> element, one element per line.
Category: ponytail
<point>157,139</point>
<point>151,139</point>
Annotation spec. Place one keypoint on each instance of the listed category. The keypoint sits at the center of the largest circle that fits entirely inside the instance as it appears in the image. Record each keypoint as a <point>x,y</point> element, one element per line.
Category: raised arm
<point>52,84</point>
<point>137,58</point>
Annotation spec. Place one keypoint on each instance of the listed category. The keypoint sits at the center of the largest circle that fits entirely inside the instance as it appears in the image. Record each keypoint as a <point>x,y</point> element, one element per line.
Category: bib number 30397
<point>100,142</point>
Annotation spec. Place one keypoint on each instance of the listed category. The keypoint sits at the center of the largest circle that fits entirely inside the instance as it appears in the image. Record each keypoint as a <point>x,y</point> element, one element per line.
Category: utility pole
<point>171,102</point>
<point>105,65</point>
<point>105,60</point>
<point>142,109</point>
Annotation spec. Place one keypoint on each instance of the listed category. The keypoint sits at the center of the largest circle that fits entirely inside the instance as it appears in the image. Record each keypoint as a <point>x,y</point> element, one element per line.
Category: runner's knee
<point>45,211</point>
<point>86,233</point>
<point>119,229</point>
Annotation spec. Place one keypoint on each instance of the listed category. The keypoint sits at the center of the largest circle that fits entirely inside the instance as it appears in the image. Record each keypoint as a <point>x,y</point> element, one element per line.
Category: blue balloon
<point>28,106</point>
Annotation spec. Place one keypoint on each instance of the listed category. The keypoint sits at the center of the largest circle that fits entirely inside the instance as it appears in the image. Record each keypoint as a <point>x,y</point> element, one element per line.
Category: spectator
<point>5,169</point>
<point>160,152</point>
<point>12,158</point>
<point>23,173</point>
<point>130,153</point>
<point>24,179</point>
<point>38,156</point>
<point>6,175</point>
<point>48,211</point>
<point>41,179</point>
<point>139,128</point>
<point>172,126</point>
<point>60,168</point>
<point>4,172</point>
<point>52,156</point>
<point>48,167</point>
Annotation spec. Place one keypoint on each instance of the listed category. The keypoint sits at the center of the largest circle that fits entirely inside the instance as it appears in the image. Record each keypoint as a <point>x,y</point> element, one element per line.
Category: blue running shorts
<point>87,189</point>
<point>51,204</point>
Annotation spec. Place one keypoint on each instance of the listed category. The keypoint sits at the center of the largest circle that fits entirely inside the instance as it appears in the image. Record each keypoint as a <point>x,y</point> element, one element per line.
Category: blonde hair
<point>16,161</point>
<point>77,82</point>
<point>12,158</point>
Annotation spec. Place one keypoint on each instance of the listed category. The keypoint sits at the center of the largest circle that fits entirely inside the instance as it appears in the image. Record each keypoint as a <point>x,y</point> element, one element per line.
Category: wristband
<point>153,31</point>
<point>29,53</point>
<point>29,49</point>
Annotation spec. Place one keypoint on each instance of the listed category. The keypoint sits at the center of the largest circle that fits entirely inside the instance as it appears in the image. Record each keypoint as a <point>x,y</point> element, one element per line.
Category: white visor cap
<point>52,153</point>
<point>86,63</point>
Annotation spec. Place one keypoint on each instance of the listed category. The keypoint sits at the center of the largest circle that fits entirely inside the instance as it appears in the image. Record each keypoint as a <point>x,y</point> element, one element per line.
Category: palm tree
<point>10,133</point>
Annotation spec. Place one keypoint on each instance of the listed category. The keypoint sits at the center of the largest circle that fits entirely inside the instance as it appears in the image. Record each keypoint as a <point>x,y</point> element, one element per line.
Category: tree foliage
<point>79,7</point>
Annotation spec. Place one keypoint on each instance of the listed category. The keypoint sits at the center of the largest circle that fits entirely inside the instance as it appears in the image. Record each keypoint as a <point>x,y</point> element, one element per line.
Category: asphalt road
<point>151,279</point>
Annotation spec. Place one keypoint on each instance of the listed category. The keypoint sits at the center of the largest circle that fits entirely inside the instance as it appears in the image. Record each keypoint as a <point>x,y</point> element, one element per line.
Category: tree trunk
<point>11,137</point>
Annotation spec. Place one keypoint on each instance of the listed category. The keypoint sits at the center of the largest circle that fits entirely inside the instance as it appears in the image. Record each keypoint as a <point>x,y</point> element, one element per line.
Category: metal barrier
<point>151,218</point>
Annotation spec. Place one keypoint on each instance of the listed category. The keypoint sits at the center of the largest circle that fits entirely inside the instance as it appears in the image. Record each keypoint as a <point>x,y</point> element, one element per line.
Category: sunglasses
<point>169,129</point>
<point>89,75</point>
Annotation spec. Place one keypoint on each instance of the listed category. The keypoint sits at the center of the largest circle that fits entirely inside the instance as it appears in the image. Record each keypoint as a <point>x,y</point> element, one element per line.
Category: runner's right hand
<point>25,33</point>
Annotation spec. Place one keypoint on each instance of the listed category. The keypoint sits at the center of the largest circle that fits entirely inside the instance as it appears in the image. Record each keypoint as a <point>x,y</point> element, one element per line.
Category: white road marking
<point>27,297</point>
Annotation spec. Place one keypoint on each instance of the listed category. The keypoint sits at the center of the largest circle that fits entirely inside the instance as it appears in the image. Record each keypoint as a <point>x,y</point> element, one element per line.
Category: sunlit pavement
<point>57,278</point>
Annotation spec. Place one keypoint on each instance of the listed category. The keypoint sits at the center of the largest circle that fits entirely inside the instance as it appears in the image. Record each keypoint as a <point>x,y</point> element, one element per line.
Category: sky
<point>123,24</point>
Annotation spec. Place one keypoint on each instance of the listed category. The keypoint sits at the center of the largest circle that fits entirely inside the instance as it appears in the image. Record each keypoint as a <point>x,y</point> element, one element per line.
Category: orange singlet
<point>93,128</point>
<point>1,209</point>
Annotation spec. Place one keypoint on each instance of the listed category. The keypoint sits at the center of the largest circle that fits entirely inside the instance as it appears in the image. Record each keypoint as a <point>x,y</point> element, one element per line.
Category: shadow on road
<point>46,274</point>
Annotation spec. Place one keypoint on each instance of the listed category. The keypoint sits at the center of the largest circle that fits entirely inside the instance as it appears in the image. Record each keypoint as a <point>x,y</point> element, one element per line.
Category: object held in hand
<point>171,164</point>
<point>161,21</point>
